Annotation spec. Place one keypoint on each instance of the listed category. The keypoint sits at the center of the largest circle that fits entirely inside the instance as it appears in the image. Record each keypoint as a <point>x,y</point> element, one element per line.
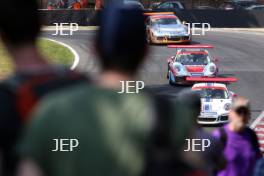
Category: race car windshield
<point>166,21</point>
<point>193,59</point>
<point>213,93</point>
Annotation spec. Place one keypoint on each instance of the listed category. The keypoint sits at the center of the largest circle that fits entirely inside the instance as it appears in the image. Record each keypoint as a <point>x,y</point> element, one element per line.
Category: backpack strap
<point>27,95</point>
<point>28,88</point>
<point>35,88</point>
<point>223,136</point>
<point>253,138</point>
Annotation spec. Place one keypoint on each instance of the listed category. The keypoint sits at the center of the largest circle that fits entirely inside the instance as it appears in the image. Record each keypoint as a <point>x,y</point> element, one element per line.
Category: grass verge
<point>54,52</point>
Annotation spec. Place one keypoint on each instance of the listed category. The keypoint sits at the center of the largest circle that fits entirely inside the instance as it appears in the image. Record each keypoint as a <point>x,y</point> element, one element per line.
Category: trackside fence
<point>216,18</point>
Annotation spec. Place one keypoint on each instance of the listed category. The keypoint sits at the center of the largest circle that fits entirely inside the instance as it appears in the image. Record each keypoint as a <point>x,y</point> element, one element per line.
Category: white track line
<point>239,31</point>
<point>80,28</point>
<point>76,55</point>
<point>258,119</point>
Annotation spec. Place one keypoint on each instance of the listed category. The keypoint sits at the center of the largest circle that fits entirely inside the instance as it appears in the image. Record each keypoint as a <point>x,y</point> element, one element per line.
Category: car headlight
<point>212,68</point>
<point>177,68</point>
<point>227,106</point>
<point>158,32</point>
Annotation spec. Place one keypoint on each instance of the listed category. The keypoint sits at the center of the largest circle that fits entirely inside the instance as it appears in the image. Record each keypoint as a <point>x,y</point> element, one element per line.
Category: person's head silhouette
<point>19,22</point>
<point>121,41</point>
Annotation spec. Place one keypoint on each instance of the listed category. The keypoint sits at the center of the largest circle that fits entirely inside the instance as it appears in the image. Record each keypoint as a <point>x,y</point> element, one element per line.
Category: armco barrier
<point>86,17</point>
<point>223,18</point>
<point>217,18</point>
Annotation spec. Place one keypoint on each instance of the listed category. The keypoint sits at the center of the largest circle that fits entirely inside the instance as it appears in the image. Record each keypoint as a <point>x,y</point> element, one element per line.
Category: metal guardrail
<point>217,18</point>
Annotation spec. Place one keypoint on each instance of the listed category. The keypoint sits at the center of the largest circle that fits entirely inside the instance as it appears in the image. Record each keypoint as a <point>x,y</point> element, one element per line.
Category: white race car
<point>216,102</point>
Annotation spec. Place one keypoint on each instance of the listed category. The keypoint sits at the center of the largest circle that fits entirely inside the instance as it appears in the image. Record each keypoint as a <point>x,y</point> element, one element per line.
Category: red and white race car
<point>216,99</point>
<point>191,61</point>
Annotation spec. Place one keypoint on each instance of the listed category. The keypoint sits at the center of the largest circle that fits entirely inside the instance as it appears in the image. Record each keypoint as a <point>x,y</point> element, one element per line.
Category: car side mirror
<point>184,22</point>
<point>216,59</point>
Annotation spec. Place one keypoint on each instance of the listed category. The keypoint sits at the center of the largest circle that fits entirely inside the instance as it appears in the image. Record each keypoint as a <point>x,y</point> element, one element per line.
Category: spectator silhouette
<point>240,143</point>
<point>33,76</point>
<point>209,160</point>
<point>113,130</point>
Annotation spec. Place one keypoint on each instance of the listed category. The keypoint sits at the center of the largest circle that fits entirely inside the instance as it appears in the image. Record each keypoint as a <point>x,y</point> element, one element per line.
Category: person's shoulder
<point>83,98</point>
<point>63,98</point>
<point>70,98</point>
<point>66,96</point>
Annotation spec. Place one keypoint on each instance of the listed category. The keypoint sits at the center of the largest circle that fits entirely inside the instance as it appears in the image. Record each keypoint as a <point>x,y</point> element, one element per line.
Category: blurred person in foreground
<point>211,159</point>
<point>240,143</point>
<point>116,132</point>
<point>259,168</point>
<point>33,76</point>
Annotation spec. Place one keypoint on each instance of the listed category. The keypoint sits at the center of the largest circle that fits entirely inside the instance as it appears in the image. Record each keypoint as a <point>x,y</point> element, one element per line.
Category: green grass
<point>56,54</point>
<point>6,66</point>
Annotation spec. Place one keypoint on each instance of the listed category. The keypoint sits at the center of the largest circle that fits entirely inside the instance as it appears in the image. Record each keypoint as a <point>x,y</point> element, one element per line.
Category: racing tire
<point>170,82</point>
<point>168,71</point>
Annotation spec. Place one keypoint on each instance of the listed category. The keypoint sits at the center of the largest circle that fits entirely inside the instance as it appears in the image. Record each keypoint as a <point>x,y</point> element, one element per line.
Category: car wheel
<point>168,71</point>
<point>170,81</point>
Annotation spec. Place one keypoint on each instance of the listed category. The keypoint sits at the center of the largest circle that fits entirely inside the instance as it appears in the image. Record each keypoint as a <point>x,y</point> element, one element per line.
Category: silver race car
<point>165,28</point>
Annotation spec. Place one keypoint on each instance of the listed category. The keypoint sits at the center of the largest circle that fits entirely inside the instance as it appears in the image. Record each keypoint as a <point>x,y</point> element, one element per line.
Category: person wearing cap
<point>110,131</point>
<point>240,143</point>
<point>32,77</point>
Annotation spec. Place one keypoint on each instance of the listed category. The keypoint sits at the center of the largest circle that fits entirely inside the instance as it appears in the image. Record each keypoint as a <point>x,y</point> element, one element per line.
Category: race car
<point>191,61</point>
<point>216,100</point>
<point>164,28</point>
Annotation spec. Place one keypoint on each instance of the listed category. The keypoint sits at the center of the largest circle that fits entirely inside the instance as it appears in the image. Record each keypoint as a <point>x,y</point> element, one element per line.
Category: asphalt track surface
<point>241,55</point>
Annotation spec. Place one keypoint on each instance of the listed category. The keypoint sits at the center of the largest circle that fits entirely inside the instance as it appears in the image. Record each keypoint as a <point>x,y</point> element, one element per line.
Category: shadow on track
<point>166,44</point>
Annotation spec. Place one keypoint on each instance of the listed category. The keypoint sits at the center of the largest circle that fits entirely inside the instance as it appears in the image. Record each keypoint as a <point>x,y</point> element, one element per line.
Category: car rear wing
<point>213,80</point>
<point>191,46</point>
<point>157,13</point>
<point>147,14</point>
